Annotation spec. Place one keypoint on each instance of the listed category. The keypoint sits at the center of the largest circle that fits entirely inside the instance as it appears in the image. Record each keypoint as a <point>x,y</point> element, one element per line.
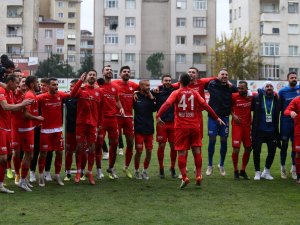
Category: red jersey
<point>28,124</point>
<point>187,103</point>
<point>294,106</point>
<point>5,115</point>
<point>88,104</point>
<point>16,116</point>
<point>126,91</point>
<point>241,106</point>
<point>110,95</point>
<point>51,110</point>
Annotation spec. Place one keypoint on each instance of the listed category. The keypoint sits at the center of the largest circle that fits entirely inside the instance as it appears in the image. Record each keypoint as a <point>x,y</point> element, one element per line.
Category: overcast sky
<point>87,14</point>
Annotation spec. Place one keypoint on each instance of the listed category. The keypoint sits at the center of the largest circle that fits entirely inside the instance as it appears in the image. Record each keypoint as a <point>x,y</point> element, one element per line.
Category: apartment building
<point>86,44</point>
<point>17,40</point>
<point>67,11</point>
<point>127,32</point>
<point>274,25</point>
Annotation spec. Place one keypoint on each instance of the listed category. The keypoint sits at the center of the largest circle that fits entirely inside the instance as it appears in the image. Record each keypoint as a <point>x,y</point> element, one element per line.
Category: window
<point>130,39</point>
<point>111,3</point>
<point>293,7</point>
<point>230,15</point>
<point>197,40</point>
<point>240,12</point>
<point>14,11</point>
<point>270,71</point>
<point>235,14</point>
<point>129,57</point>
<point>293,29</point>
<point>60,4</point>
<point>180,4</point>
<point>130,4</point>
<point>59,49</point>
<point>296,70</point>
<point>200,4</point>
<point>199,22</point>
<point>196,58</point>
<point>111,39</point>
<point>180,40</point>
<point>270,49</point>
<point>48,34</point>
<point>60,15</point>
<point>111,22</point>
<point>71,47</point>
<point>72,4</point>
<point>71,15</point>
<point>71,58</point>
<point>180,58</point>
<point>275,30</point>
<point>60,34</point>
<point>71,26</point>
<point>130,21</point>
<point>293,50</point>
<point>48,48</point>
<point>180,22</point>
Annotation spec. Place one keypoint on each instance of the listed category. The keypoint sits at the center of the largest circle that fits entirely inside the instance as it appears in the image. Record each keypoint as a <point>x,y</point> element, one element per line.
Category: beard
<point>293,83</point>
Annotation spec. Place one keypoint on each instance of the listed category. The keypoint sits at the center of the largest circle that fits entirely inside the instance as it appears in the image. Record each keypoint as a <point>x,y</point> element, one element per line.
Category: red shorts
<point>86,133</point>
<point>241,134</point>
<point>140,139</point>
<point>15,140</point>
<point>185,138</point>
<point>26,140</point>
<point>5,142</point>
<point>70,141</point>
<point>296,143</point>
<point>51,142</point>
<point>165,133</point>
<point>109,125</point>
<point>125,123</point>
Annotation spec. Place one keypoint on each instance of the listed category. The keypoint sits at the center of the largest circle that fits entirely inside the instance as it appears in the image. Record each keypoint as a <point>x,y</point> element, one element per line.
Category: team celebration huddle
<point>32,128</point>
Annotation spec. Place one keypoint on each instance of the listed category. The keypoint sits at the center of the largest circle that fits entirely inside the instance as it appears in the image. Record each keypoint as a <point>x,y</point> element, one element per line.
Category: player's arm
<point>76,90</point>
<point>15,107</point>
<point>205,81</point>
<point>3,85</point>
<point>291,109</point>
<point>119,105</point>
<point>235,117</point>
<point>171,99</point>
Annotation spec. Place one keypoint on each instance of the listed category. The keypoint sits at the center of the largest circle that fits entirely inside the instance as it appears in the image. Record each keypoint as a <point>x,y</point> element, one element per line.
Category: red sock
<point>17,164</point>
<point>245,160</point>
<point>78,160</point>
<point>182,165</point>
<point>297,162</point>
<point>58,163</point>
<point>235,160</point>
<point>83,160</point>
<point>146,163</point>
<point>173,156</point>
<point>198,163</point>
<point>42,162</point>
<point>137,159</point>
<point>24,171</point>
<point>68,160</point>
<point>160,157</point>
<point>91,160</point>
<point>8,164</point>
<point>2,171</point>
<point>128,156</point>
<point>98,159</point>
<point>112,153</point>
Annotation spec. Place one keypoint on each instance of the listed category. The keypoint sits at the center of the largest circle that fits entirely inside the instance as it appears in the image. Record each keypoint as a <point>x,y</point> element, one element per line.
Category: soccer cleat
<point>58,180</point>
<point>9,173</point>
<point>32,177</point>
<point>121,152</point>
<point>145,175</point>
<point>180,176</point>
<point>209,171</point>
<point>67,177</point>
<point>283,173</point>
<point>91,178</point>
<point>24,186</point>
<point>244,175</point>
<point>48,177</point>
<point>137,175</point>
<point>127,172</point>
<point>266,174</point>
<point>112,173</point>
<point>222,170</point>
<point>198,180</point>
<point>293,172</point>
<point>105,156</point>
<point>173,172</point>
<point>17,179</point>
<point>257,175</point>
<point>5,190</point>
<point>41,180</point>
<point>184,183</point>
<point>162,173</point>
<point>236,175</point>
<point>99,174</point>
<point>28,183</point>
<point>77,177</point>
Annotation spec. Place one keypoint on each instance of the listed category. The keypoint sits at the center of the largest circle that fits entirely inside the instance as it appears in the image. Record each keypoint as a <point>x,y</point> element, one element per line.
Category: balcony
<point>269,6</point>
<point>270,17</point>
<point>200,48</point>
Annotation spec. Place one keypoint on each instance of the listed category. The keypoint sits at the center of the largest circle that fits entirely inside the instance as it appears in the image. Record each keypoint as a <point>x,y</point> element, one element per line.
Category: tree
<point>154,64</point>
<point>87,64</point>
<point>239,55</point>
<point>54,67</point>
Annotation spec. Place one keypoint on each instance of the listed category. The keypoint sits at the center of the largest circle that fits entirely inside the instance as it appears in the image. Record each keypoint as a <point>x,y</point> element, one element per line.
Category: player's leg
<point>223,132</point>
<point>139,145</point>
<point>212,134</point>
<point>236,144</point>
<point>129,135</point>
<point>44,148</point>
<point>272,145</point>
<point>256,155</point>
<point>148,146</point>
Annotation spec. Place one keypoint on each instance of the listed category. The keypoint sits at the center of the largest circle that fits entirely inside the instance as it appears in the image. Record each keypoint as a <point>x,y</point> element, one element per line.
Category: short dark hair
<point>29,80</point>
<point>104,67</point>
<point>92,70</point>
<point>185,79</point>
<point>74,81</point>
<point>11,77</point>
<point>44,80</point>
<point>194,68</point>
<point>243,82</point>
<point>18,70</point>
<point>124,67</point>
<point>165,75</point>
<point>51,79</point>
<point>290,73</point>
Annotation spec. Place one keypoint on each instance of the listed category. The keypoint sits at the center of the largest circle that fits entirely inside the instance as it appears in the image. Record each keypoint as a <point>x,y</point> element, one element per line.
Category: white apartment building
<point>86,44</point>
<point>127,32</point>
<point>19,28</point>
<point>274,25</point>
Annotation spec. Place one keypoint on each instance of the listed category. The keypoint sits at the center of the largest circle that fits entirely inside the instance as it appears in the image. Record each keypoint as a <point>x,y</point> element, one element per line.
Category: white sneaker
<point>58,180</point>
<point>28,183</point>
<point>283,172</point>
<point>121,152</point>
<point>266,174</point>
<point>293,172</point>
<point>257,175</point>
<point>209,170</point>
<point>137,175</point>
<point>222,170</point>
<point>180,176</point>
<point>145,175</point>
<point>99,175</point>
<point>105,156</point>
<point>5,190</point>
<point>32,177</point>
<point>23,185</point>
<point>112,173</point>
<point>48,176</point>
<point>41,180</point>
